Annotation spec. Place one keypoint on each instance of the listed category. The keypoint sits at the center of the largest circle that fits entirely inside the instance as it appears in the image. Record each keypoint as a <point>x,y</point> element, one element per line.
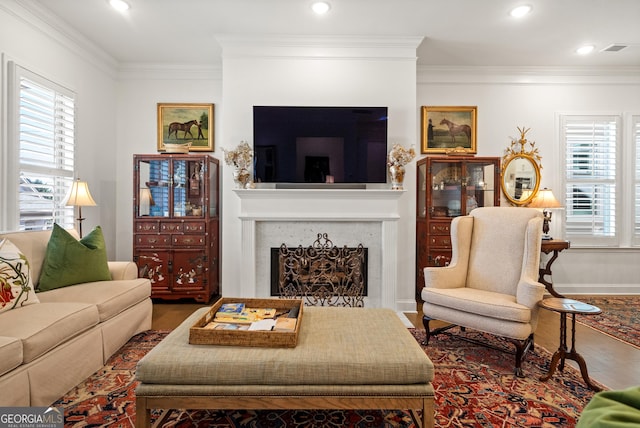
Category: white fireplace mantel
<point>378,207</point>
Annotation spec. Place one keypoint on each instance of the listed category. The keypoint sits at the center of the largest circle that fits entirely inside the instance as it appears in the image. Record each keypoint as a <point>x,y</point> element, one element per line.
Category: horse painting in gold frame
<point>449,130</point>
<point>186,123</point>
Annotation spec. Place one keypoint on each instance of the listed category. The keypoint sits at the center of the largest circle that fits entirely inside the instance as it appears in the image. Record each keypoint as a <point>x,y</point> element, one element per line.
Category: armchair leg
<point>522,347</point>
<point>427,330</point>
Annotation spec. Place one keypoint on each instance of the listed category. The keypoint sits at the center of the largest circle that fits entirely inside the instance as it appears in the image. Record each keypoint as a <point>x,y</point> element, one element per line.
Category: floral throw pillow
<point>16,288</point>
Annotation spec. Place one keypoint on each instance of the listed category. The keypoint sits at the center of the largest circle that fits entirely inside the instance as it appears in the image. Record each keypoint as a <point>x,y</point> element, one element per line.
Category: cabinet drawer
<point>440,228</point>
<point>153,240</point>
<point>171,227</point>
<point>189,239</point>
<point>443,241</point>
<point>194,227</point>
<point>147,227</point>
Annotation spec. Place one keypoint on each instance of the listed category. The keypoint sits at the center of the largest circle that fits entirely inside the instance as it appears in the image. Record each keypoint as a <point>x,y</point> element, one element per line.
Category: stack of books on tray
<point>236,316</point>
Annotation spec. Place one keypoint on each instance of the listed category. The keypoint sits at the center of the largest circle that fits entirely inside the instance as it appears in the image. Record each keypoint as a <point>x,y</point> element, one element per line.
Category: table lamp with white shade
<point>146,201</point>
<point>79,196</point>
<point>545,200</point>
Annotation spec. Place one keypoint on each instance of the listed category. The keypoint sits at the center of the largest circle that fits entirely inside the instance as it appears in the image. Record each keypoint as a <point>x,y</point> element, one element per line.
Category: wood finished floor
<point>609,361</point>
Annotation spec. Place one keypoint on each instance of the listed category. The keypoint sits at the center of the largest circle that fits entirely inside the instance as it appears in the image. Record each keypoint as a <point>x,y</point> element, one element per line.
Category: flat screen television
<point>320,144</point>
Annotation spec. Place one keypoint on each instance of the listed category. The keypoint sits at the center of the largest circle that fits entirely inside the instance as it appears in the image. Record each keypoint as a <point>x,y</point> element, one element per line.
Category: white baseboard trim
<point>609,289</point>
<point>409,306</point>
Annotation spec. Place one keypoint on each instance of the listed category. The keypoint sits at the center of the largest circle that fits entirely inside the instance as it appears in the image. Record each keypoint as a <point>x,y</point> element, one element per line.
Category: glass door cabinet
<point>447,187</point>
<point>177,225</point>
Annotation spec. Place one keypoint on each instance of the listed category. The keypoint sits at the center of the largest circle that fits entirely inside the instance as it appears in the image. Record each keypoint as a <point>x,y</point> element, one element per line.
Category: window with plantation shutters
<point>45,114</point>
<point>592,178</point>
<point>636,178</point>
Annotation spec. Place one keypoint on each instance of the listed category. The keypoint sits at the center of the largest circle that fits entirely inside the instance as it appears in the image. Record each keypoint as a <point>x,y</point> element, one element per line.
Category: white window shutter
<point>636,178</point>
<point>46,142</point>
<point>591,179</point>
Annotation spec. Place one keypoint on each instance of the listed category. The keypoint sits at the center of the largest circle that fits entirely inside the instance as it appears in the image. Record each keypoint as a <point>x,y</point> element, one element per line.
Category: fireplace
<point>321,273</point>
<point>368,217</point>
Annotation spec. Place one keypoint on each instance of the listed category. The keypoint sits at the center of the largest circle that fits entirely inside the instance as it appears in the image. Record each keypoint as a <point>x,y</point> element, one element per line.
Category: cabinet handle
<point>170,266</point>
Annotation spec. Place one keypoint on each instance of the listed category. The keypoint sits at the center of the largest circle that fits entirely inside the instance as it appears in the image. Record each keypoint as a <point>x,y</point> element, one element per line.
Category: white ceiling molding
<point>319,47</point>
<point>147,71</point>
<point>528,75</point>
<point>54,28</point>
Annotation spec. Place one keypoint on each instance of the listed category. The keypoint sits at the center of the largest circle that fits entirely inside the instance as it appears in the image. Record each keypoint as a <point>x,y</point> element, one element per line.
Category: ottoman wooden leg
<point>428,413</point>
<point>143,414</point>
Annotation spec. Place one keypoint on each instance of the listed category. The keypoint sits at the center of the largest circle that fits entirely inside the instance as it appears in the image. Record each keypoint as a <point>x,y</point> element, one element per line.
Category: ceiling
<point>456,32</point>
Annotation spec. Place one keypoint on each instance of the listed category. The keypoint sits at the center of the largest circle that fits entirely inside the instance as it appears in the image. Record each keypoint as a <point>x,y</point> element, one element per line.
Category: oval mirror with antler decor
<point>520,176</point>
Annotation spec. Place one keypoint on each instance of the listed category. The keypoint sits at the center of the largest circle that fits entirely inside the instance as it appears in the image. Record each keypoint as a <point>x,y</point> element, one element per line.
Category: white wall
<point>37,46</point>
<point>510,98</point>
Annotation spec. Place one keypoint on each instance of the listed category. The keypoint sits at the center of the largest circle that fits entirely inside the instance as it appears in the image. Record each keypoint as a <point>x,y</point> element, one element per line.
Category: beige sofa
<point>49,347</point>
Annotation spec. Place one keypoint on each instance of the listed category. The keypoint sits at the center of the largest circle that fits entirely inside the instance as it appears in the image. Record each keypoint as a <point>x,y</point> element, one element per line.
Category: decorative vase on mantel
<point>242,177</point>
<point>396,172</point>
<point>242,159</point>
<point>397,158</point>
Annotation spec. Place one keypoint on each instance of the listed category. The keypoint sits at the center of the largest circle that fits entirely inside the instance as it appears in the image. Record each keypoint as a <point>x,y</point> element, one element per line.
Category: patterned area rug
<point>619,319</point>
<point>474,387</point>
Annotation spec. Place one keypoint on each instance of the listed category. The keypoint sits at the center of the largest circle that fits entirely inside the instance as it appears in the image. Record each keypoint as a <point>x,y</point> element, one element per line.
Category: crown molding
<point>45,22</point>
<point>319,47</point>
<point>524,75</point>
<point>161,71</point>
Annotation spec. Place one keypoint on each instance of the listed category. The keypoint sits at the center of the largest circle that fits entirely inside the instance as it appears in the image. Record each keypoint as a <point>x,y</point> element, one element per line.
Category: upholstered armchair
<point>491,283</point>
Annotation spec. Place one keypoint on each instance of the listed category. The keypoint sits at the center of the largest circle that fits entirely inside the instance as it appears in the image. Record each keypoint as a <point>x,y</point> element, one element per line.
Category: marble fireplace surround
<point>350,217</point>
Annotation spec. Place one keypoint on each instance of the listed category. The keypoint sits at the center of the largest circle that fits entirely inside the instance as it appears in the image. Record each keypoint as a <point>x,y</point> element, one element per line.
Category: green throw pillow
<point>612,409</point>
<point>69,261</point>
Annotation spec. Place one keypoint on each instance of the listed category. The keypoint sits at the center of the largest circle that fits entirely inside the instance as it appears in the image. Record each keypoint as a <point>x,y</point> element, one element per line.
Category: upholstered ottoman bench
<point>346,358</point>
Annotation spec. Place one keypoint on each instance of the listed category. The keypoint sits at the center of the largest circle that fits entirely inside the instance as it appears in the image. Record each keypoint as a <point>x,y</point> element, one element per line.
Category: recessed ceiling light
<point>119,5</point>
<point>584,50</point>
<point>321,7</point>
<point>520,11</point>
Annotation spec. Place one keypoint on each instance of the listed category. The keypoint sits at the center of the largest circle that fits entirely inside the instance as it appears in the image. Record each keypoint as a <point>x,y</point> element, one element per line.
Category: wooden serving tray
<point>198,335</point>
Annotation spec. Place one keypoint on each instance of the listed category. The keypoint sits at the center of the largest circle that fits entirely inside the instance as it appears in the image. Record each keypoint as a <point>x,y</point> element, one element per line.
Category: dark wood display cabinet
<point>447,187</point>
<point>176,226</point>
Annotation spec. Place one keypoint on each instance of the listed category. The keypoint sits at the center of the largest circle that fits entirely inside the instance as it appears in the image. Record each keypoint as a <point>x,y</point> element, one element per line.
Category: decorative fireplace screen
<point>322,274</point>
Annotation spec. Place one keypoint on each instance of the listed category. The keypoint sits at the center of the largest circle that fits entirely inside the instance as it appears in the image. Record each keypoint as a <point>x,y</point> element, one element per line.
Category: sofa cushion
<point>16,286</point>
<point>44,326</point>
<point>10,353</point>
<point>69,261</point>
<point>111,297</point>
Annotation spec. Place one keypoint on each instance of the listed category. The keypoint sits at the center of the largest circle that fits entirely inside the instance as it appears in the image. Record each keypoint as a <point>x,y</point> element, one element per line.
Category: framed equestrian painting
<point>449,130</point>
<point>186,123</point>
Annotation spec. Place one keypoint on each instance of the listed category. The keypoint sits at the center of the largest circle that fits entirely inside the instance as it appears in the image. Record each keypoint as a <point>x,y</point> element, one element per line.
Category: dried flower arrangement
<point>400,156</point>
<point>242,159</point>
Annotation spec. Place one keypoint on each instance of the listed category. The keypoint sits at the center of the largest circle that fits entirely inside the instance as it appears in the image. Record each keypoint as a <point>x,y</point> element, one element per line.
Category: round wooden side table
<point>563,307</point>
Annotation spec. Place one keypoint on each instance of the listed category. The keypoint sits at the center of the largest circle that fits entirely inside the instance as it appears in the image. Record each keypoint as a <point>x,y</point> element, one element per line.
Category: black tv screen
<point>320,144</point>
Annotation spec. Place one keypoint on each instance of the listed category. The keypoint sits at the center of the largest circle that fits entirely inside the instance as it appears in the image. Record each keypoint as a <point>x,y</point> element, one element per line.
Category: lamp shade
<point>145,201</point>
<point>146,197</point>
<point>545,199</point>
<point>79,195</point>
